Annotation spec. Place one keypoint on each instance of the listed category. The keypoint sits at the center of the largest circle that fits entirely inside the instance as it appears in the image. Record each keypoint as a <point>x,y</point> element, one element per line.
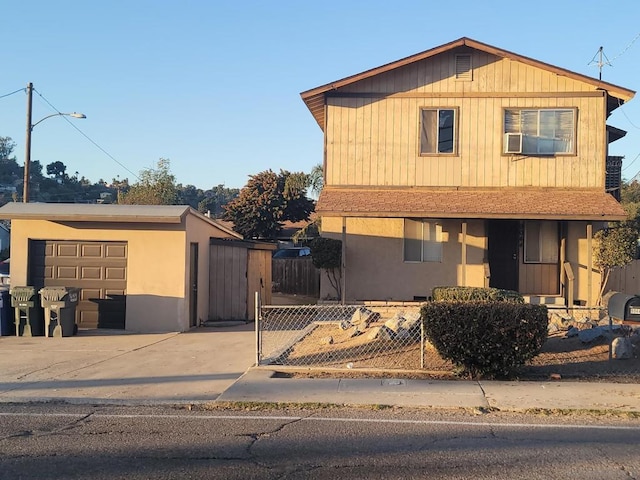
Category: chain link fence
<point>390,337</point>
<point>343,336</point>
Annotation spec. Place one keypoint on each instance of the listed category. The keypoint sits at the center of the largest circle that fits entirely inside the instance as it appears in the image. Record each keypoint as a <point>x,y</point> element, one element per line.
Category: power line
<point>627,47</point>
<point>85,135</point>
<point>19,90</point>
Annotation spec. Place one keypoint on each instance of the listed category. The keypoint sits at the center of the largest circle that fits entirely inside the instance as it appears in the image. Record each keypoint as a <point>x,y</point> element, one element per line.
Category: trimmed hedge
<point>475,294</point>
<point>486,339</point>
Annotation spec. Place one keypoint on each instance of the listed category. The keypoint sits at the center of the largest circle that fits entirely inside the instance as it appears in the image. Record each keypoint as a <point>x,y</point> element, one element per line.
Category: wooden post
<point>257,320</point>
<point>343,278</point>
<point>570,277</point>
<point>589,262</point>
<point>464,253</point>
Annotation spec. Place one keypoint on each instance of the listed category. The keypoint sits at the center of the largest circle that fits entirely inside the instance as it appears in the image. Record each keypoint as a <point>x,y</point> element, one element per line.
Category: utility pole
<point>27,151</point>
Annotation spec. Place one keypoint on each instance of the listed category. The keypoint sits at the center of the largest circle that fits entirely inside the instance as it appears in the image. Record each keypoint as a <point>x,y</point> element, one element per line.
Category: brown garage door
<point>98,268</point>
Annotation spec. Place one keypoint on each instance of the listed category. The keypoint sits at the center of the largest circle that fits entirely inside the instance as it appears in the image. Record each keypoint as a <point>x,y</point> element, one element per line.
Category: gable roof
<point>83,212</point>
<point>315,98</point>
<point>516,203</point>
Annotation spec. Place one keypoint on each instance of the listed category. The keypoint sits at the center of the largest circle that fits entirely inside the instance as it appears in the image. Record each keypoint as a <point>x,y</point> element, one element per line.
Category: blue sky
<point>214,86</point>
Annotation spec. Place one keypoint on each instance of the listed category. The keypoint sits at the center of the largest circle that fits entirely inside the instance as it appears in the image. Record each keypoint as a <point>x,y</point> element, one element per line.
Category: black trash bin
<point>28,314</point>
<point>7,326</point>
<point>59,305</point>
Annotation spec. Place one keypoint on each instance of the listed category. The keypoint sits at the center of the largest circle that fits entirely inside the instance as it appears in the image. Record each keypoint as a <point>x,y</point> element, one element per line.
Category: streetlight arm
<point>73,114</point>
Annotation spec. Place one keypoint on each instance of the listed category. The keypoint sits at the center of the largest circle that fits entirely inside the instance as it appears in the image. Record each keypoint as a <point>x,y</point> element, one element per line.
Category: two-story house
<point>467,165</point>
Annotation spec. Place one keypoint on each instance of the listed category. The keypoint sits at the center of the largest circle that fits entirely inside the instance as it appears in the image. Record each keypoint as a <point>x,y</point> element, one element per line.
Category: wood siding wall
<point>372,131</point>
<point>228,283</point>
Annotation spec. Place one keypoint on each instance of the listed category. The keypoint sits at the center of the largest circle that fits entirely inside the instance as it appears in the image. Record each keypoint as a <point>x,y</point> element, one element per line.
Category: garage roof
<point>82,212</point>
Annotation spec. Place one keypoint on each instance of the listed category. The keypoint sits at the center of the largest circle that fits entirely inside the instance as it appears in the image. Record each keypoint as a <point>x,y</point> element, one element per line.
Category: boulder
<point>572,332</point>
<point>396,322</point>
<point>363,316</point>
<point>591,334</point>
<point>621,348</point>
<point>380,333</point>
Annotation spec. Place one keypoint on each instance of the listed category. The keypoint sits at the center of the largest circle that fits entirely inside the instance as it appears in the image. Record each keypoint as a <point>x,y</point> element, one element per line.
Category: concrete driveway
<point>196,366</point>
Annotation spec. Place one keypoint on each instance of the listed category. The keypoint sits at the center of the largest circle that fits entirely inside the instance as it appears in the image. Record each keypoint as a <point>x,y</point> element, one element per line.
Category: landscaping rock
<point>591,334</point>
<point>395,323</point>
<point>380,333</point>
<point>622,348</point>
<point>363,316</point>
<point>572,332</point>
<point>373,333</point>
<point>412,321</point>
<point>326,340</point>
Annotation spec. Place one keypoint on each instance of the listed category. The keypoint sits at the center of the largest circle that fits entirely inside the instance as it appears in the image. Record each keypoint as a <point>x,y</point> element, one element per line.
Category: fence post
<point>258,318</point>
<point>421,342</point>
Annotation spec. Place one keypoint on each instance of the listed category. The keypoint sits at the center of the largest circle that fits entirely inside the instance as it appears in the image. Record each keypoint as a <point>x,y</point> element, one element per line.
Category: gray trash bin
<point>28,314</point>
<point>59,305</point>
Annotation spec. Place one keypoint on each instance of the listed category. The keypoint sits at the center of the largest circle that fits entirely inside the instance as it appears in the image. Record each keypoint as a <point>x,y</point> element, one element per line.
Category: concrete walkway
<point>215,364</point>
<point>113,366</point>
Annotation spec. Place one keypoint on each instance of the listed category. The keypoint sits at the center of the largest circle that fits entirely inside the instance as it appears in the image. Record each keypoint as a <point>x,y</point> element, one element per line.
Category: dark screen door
<point>503,253</point>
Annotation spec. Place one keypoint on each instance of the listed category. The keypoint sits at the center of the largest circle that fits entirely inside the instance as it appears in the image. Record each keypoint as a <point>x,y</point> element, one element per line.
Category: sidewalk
<point>215,364</point>
<point>260,385</point>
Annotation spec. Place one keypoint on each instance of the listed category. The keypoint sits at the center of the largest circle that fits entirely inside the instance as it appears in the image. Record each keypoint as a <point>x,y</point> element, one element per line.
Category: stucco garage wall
<point>156,267</point>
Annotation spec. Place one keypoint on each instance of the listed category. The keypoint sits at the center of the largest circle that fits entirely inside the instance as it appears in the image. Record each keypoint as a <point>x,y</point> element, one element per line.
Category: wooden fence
<point>625,279</point>
<point>295,276</point>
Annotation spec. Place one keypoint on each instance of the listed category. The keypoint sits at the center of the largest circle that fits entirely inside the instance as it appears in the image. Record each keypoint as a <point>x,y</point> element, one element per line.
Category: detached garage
<point>144,268</point>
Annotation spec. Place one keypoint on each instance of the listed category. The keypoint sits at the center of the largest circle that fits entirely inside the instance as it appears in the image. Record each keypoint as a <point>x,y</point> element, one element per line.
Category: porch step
<point>549,300</point>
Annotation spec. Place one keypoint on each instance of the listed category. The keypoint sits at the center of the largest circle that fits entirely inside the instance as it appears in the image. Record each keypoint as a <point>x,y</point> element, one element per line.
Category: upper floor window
<point>422,241</point>
<point>540,131</point>
<point>438,133</point>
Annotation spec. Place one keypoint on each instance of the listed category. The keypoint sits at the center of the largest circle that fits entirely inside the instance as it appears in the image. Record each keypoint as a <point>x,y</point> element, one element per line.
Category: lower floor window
<point>422,240</point>
<point>541,241</point>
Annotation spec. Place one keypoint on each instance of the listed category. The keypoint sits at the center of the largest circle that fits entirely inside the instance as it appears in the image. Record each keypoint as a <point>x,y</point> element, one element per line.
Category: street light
<point>27,152</point>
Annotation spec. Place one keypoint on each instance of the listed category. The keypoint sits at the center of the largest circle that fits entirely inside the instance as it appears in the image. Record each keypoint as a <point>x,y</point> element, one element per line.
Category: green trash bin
<point>28,314</point>
<point>59,305</point>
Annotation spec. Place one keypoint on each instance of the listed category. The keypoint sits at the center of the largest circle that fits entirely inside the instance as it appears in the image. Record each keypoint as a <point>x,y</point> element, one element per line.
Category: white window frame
<point>540,138</point>
<point>541,241</point>
<point>423,137</point>
<point>428,235</point>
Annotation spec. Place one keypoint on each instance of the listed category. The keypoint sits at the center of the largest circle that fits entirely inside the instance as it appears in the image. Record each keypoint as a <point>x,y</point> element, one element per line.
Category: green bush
<point>486,339</point>
<point>475,294</point>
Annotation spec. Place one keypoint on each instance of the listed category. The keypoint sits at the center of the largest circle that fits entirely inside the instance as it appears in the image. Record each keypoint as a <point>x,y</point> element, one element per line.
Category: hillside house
<point>467,165</point>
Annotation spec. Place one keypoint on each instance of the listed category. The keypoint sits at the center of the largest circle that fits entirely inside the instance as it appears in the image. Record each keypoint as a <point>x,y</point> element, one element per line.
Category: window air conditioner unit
<point>513,142</point>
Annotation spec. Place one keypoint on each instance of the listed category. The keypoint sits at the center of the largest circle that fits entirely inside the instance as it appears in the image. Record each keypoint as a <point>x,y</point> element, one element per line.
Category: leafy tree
<point>266,201</point>
<point>215,199</point>
<point>316,179</point>
<point>57,169</point>
<point>326,254</point>
<point>617,247</point>
<point>156,187</point>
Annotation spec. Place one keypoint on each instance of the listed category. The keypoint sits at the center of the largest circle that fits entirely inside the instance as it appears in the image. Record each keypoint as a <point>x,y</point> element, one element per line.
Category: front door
<point>504,240</point>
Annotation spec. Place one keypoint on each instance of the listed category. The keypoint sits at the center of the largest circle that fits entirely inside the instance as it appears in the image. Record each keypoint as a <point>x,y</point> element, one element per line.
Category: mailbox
<point>624,307</point>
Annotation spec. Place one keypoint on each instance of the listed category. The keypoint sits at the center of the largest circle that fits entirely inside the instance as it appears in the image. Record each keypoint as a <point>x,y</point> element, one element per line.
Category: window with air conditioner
<point>543,131</point>
<point>422,241</point>
<point>438,131</point>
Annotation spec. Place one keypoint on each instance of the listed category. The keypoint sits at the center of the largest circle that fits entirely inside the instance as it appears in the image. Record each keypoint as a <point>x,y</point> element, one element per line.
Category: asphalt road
<point>47,441</point>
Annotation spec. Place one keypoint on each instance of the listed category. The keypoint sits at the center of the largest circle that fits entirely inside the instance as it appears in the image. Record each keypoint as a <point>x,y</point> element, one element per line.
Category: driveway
<point>122,367</point>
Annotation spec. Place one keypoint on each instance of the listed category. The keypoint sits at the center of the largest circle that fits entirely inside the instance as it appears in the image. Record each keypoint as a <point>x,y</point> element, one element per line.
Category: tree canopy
<point>266,201</point>
<point>156,187</point>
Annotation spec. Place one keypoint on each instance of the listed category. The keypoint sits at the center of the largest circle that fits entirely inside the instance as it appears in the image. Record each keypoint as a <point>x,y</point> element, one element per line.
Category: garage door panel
<point>97,268</point>
<point>67,250</point>
<point>93,273</point>
<point>91,250</point>
<point>116,251</point>
<point>117,273</point>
